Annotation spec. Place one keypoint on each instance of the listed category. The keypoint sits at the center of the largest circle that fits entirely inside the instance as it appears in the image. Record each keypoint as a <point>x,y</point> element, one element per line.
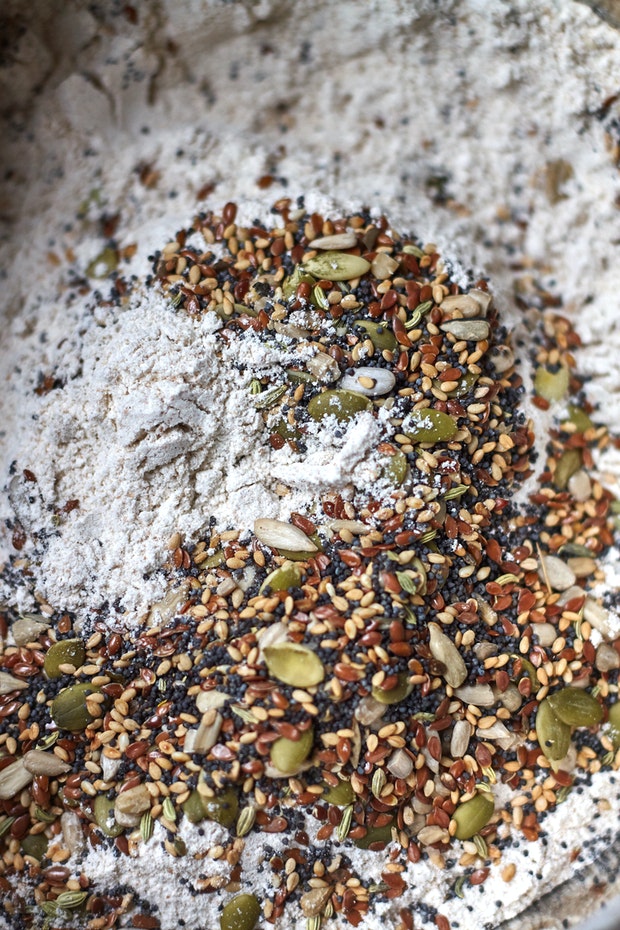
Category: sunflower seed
<point>444,650</point>
<point>466,303</point>
<point>281,535</point>
<point>9,683</point>
<point>383,266</point>
<point>557,573</point>
<point>211,700</point>
<point>478,695</point>
<point>323,367</point>
<point>461,734</point>
<point>44,763</point>
<point>13,778</point>
<point>600,618</point>
<point>428,836</point>
<point>338,241</point>
<point>399,764</point>
<point>471,330</point>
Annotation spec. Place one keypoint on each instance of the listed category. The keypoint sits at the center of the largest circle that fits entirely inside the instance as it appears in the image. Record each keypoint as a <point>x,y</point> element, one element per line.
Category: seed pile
<point>381,662</point>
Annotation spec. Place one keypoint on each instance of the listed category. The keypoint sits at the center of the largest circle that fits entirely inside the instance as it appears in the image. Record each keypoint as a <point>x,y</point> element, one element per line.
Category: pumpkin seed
<point>35,845</point>
<point>294,664</point>
<point>398,693</point>
<point>551,385</point>
<point>379,334</point>
<point>287,755</point>
<point>471,816</point>
<point>396,469</point>
<point>69,710</point>
<point>579,418</point>
<point>241,913</point>
<point>223,808</point>
<point>612,727</point>
<point>346,240</point>
<point>576,707</point>
<point>470,330</point>
<point>9,683</point>
<point>103,812</point>
<point>284,578</point>
<point>375,835</point>
<point>568,463</point>
<point>290,285</point>
<point>65,652</point>
<point>372,382</point>
<point>552,733</point>
<point>444,650</point>
<point>281,535</point>
<point>429,425</point>
<point>103,264</point>
<point>337,266</point>
<point>340,795</point>
<point>341,404</point>
<point>193,808</point>
<point>13,778</point>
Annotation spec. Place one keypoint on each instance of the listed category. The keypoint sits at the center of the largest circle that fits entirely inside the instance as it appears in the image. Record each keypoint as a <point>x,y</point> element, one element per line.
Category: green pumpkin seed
<point>103,812</point>
<point>552,733</point>
<point>290,285</point>
<point>284,578</point>
<point>430,426</point>
<point>579,418</point>
<point>379,334</point>
<point>69,710</point>
<point>337,266</point>
<point>193,808</point>
<point>294,664</point>
<point>612,727</point>
<point>576,707</point>
<point>395,469</point>
<point>288,431</point>
<point>551,385</point>
<point>402,690</point>
<point>65,652</point>
<point>223,808</point>
<point>340,795</point>
<point>337,402</point>
<point>35,845</point>
<point>568,463</point>
<point>471,816</point>
<point>103,264</point>
<point>241,913</point>
<point>287,754</point>
<point>375,835</point>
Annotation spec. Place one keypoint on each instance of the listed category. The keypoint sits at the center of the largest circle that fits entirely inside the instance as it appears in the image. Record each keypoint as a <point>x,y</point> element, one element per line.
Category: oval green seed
<point>551,385</point>
<point>337,402</point>
<point>576,707</point>
<point>283,578</point>
<point>568,463</point>
<point>379,334</point>
<point>193,808</point>
<point>223,808</point>
<point>552,733</point>
<point>65,652</point>
<point>579,418</point>
<point>241,913</point>
<point>375,835</point>
<point>340,795</point>
<point>395,469</point>
<point>430,426</point>
<point>35,845</point>
<point>103,264</point>
<point>69,710</point>
<point>294,664</point>
<point>402,690</point>
<point>612,727</point>
<point>103,812</point>
<point>337,266</point>
<point>287,754</point>
<point>472,816</point>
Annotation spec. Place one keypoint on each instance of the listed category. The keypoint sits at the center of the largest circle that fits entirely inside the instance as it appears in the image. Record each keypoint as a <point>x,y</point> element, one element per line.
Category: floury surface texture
<point>131,425</point>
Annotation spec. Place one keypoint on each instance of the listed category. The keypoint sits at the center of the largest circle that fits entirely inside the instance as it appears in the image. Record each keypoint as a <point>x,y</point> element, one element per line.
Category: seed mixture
<point>420,669</point>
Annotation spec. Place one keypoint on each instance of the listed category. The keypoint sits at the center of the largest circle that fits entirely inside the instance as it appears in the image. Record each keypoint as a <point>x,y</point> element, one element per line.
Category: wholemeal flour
<point>480,127</point>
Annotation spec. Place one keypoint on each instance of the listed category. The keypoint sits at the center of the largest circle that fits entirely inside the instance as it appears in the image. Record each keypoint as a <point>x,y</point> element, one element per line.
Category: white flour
<point>454,123</point>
